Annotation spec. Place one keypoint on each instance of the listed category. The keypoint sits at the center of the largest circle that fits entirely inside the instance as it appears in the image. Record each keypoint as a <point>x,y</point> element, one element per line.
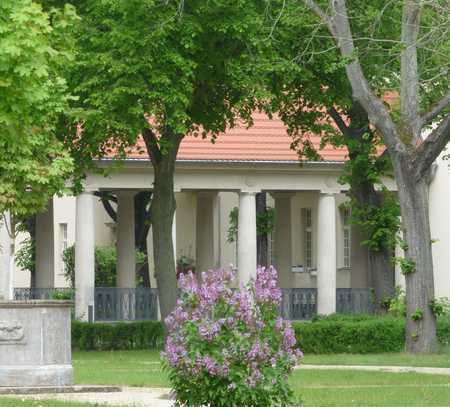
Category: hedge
<point>333,334</point>
<point>358,334</point>
<point>117,336</point>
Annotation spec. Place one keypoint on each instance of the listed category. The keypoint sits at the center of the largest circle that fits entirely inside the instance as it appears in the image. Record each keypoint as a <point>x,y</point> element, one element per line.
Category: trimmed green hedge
<point>370,335</point>
<point>117,336</point>
<point>333,334</point>
<point>358,334</point>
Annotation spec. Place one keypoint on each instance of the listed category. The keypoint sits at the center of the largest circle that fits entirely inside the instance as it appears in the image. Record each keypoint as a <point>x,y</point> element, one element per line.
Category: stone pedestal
<point>35,343</point>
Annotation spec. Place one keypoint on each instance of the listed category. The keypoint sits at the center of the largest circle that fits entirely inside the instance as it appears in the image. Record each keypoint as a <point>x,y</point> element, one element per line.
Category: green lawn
<point>383,359</point>
<point>317,388</point>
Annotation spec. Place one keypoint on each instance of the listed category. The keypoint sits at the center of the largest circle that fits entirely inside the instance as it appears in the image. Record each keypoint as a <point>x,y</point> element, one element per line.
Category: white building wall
<point>440,226</point>
<point>63,213</point>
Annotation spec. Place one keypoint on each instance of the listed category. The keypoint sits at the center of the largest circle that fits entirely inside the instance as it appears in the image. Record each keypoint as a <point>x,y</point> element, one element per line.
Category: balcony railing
<point>125,304</point>
<point>140,304</point>
<point>44,294</point>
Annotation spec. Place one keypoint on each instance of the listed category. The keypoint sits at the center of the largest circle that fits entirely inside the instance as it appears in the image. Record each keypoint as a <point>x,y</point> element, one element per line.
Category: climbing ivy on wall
<point>265,223</point>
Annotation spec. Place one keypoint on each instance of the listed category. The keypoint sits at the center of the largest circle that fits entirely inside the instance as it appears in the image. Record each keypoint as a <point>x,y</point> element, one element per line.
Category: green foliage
<point>417,315</point>
<point>63,295</point>
<point>369,335</point>
<point>358,334</point>
<point>117,336</point>
<point>332,334</point>
<point>33,53</point>
<point>380,223</point>
<point>407,266</point>
<point>440,306</point>
<point>397,306</point>
<point>265,223</point>
<point>26,255</point>
<point>175,68</point>
<point>105,265</point>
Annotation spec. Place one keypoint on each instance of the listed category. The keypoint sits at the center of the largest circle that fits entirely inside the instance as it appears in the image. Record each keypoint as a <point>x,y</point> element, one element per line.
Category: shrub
<point>105,265</point>
<point>117,336</point>
<point>327,335</point>
<point>344,335</point>
<point>229,347</point>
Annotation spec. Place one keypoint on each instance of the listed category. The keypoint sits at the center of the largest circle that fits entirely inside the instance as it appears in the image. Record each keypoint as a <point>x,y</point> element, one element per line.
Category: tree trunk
<point>142,222</point>
<point>30,224</point>
<point>413,195</point>
<point>162,212</point>
<point>381,267</point>
<point>261,239</point>
<point>381,277</point>
<point>380,262</point>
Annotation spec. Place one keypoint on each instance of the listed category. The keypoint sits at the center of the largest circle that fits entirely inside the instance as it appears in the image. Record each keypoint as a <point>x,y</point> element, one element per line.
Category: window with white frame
<point>307,237</point>
<point>63,244</point>
<point>347,235</point>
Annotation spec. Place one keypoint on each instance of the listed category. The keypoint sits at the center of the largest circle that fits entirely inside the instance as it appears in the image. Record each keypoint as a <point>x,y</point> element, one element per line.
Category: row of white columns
<point>247,256</point>
<point>247,253</point>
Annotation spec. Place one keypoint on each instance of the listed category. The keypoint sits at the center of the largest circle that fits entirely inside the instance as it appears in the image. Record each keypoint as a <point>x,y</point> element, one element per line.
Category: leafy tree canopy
<point>173,67</point>
<point>33,164</point>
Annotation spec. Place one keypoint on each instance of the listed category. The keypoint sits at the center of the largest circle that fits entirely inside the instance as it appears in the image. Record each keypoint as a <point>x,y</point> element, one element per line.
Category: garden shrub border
<point>117,336</point>
<point>333,334</point>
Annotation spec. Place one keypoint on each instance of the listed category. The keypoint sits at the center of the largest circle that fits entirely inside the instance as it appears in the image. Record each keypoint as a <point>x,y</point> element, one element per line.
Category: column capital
<point>248,192</point>
<point>330,192</point>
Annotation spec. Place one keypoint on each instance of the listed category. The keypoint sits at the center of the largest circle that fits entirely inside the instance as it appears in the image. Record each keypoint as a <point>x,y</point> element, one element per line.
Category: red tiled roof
<point>266,140</point>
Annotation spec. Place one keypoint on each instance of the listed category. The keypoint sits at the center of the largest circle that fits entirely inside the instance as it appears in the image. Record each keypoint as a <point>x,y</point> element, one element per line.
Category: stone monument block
<point>35,343</point>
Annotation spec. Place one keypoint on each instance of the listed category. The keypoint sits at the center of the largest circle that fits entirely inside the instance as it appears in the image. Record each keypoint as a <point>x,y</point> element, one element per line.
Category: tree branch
<point>432,146</point>
<point>320,13</point>
<point>345,130</point>
<point>435,110</point>
<point>339,27</point>
<point>106,201</point>
<point>409,74</point>
<point>151,144</point>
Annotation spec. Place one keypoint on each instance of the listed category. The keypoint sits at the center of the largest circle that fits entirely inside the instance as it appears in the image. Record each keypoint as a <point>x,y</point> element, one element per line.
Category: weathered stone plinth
<point>35,343</point>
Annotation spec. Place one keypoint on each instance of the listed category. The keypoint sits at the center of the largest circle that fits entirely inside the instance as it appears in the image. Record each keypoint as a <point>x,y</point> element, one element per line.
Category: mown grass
<point>317,388</point>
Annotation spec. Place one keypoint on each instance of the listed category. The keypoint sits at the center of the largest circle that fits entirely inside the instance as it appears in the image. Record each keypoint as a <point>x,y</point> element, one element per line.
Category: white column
<point>207,240</point>
<point>283,238</point>
<point>6,258</point>
<point>84,255</point>
<point>126,258</point>
<point>45,248</point>
<point>247,237</point>
<point>326,254</point>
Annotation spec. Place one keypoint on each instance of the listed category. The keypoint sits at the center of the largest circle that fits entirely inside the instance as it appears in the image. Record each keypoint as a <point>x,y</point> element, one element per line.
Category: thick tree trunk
<point>380,262</point>
<point>162,212</point>
<point>261,239</point>
<point>381,277</point>
<point>413,195</point>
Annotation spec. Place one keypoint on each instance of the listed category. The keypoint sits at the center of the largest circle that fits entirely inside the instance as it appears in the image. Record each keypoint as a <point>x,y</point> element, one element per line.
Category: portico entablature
<point>228,176</point>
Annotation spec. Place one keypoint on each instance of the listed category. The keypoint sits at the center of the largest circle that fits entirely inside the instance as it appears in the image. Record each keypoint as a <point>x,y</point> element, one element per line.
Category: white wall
<point>440,226</point>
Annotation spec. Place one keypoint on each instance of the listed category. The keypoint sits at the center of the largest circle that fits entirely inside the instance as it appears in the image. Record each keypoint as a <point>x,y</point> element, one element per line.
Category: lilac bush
<point>230,347</point>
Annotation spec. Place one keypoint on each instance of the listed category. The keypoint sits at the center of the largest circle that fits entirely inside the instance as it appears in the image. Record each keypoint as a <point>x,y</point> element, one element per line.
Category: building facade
<point>312,245</point>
